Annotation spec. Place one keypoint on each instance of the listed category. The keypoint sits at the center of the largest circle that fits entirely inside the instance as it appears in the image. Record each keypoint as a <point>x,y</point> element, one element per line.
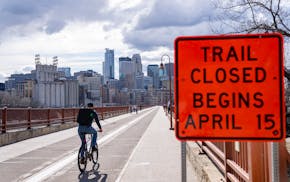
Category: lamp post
<point>170,101</point>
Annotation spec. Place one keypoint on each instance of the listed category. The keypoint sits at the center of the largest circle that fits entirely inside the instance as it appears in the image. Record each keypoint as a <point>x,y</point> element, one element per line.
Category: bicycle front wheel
<point>95,155</point>
<point>82,161</point>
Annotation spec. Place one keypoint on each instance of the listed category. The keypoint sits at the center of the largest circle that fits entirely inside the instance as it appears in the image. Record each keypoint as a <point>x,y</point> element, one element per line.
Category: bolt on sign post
<point>230,87</point>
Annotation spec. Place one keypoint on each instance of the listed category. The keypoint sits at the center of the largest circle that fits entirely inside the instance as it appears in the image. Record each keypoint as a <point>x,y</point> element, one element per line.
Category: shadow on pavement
<point>93,175</point>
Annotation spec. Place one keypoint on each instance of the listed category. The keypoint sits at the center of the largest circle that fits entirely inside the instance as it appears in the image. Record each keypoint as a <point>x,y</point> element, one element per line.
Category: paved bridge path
<point>133,147</point>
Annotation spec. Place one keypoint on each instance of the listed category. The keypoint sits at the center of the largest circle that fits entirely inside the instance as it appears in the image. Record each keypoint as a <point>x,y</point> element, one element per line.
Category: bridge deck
<point>156,156</point>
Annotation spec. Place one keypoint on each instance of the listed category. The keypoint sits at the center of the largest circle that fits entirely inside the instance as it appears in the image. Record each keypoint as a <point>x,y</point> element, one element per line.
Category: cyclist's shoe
<point>82,160</point>
<point>94,148</point>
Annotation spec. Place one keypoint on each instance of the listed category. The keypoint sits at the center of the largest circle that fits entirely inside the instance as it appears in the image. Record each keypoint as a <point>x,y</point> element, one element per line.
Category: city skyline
<point>79,33</point>
<point>52,86</point>
<point>64,68</point>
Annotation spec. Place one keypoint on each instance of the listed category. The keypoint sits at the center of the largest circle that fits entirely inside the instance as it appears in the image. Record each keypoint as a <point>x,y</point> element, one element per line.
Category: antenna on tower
<point>55,60</point>
<point>37,59</point>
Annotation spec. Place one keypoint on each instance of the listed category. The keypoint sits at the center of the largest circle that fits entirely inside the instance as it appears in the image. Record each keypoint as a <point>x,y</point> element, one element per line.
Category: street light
<point>170,101</point>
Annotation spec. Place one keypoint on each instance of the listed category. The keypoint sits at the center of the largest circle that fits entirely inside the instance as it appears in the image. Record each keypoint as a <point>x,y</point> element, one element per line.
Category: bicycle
<point>89,154</point>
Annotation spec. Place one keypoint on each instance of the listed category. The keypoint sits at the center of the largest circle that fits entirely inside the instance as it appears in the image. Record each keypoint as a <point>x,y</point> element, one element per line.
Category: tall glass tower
<point>108,65</point>
<point>153,71</point>
<point>139,82</point>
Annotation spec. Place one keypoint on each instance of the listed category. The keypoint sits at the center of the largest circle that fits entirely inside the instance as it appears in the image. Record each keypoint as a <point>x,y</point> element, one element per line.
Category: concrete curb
<point>203,167</point>
<point>16,136</point>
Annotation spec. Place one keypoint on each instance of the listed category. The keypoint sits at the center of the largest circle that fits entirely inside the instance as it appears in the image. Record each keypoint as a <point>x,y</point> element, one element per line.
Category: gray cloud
<point>48,15</point>
<point>148,39</point>
<point>54,26</point>
<point>176,13</point>
<point>168,19</point>
<point>27,69</point>
<point>158,23</point>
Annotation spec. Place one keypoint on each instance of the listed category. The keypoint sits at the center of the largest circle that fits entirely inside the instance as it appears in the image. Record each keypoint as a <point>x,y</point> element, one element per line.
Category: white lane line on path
<point>116,119</point>
<point>50,170</point>
<point>113,119</point>
<point>130,158</point>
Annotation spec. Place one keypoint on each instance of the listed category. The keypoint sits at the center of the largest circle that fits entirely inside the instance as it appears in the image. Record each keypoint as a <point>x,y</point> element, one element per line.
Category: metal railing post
<point>256,162</point>
<point>62,115</point>
<point>74,114</point>
<point>283,158</point>
<point>48,117</point>
<point>227,155</point>
<point>4,119</point>
<point>29,118</point>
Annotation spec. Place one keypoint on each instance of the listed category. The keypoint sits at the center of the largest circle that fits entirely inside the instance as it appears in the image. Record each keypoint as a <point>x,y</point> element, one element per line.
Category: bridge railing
<point>232,158</point>
<point>26,118</point>
<point>248,161</point>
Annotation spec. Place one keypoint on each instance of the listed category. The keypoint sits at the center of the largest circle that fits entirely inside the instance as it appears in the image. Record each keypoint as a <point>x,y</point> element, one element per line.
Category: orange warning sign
<point>229,87</point>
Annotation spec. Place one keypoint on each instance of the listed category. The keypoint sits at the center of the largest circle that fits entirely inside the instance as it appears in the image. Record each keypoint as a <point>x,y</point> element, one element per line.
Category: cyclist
<point>85,119</point>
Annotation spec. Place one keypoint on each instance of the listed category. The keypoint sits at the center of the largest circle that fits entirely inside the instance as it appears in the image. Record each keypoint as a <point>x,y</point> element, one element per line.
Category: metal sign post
<point>275,161</point>
<point>183,161</point>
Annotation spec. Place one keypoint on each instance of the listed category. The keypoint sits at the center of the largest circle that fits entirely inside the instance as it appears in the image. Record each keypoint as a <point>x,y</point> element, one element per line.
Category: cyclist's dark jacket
<point>86,116</point>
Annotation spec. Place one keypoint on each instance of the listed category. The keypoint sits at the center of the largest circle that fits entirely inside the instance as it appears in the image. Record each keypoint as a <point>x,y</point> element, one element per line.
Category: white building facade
<point>50,91</point>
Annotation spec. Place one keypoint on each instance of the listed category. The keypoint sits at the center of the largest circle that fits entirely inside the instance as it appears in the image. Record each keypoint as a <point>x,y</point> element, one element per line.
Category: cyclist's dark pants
<point>82,130</point>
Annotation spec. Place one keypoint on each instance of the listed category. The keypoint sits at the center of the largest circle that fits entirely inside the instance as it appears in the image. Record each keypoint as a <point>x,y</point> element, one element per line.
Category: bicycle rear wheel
<point>95,155</point>
<point>81,164</point>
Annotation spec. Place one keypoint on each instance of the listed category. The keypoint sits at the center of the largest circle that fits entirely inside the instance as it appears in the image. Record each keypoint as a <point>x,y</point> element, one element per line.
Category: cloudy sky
<point>79,31</point>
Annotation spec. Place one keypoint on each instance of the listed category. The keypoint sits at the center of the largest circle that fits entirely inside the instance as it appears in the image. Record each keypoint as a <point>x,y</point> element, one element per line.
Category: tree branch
<point>287,74</point>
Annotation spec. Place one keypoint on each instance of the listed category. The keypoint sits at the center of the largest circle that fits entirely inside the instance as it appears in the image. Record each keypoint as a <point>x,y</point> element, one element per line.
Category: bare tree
<point>247,16</point>
<point>254,16</point>
<point>15,101</point>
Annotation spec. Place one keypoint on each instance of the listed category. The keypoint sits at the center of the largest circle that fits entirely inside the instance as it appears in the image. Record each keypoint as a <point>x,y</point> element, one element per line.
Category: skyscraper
<point>127,73</point>
<point>108,65</point>
<point>153,71</point>
<point>139,75</point>
<point>171,71</point>
<point>136,58</point>
<point>2,86</point>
